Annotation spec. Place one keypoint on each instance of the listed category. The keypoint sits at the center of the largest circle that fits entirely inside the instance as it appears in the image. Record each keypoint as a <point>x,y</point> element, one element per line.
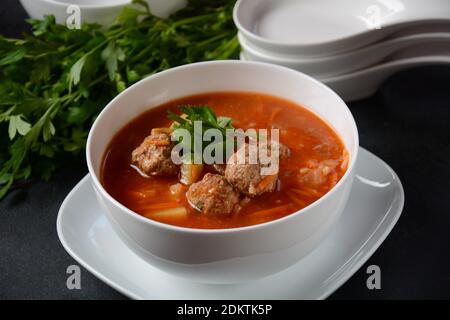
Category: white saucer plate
<point>341,64</point>
<point>365,82</point>
<point>375,205</point>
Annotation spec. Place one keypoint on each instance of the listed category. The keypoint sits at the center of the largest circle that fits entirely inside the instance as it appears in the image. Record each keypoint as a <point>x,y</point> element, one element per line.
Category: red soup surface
<point>317,162</point>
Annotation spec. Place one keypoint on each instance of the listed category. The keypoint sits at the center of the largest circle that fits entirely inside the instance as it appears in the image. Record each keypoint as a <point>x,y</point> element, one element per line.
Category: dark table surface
<point>406,123</point>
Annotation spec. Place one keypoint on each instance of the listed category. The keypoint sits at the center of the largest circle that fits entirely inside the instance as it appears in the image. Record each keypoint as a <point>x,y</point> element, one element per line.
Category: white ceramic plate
<point>375,204</point>
<point>330,66</point>
<point>365,82</point>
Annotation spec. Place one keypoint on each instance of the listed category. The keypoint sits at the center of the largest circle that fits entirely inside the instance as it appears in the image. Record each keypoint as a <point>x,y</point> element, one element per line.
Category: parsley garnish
<point>209,120</point>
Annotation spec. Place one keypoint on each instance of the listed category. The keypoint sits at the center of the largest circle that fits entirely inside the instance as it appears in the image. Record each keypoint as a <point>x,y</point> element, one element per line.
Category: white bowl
<point>363,83</point>
<point>330,66</point>
<point>103,12</point>
<point>226,255</point>
<point>327,27</point>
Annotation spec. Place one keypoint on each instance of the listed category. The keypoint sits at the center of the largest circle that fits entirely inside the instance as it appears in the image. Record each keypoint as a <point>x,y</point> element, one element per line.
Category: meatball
<point>247,177</point>
<point>153,156</point>
<point>284,151</point>
<point>213,195</point>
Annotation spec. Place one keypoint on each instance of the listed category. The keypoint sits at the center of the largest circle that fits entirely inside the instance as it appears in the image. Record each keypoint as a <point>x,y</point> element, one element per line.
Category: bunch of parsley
<point>55,81</point>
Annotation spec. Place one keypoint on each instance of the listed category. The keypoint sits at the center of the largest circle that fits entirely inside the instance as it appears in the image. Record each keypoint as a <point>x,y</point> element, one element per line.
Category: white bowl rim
<point>290,59</point>
<point>88,6</point>
<point>175,228</point>
<point>292,45</point>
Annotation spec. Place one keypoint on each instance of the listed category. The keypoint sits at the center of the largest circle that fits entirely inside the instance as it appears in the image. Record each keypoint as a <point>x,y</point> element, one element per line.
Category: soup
<point>312,160</point>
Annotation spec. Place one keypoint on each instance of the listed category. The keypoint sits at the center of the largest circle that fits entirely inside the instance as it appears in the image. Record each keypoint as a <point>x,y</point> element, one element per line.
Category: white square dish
<point>375,204</point>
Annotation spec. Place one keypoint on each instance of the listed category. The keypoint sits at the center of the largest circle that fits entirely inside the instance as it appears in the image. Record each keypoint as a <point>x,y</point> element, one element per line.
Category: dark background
<point>405,123</point>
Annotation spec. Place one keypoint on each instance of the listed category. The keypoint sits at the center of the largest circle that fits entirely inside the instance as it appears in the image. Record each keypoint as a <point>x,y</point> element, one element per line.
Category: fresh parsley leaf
<point>112,54</point>
<point>225,122</point>
<point>75,72</point>
<point>13,57</point>
<point>17,124</point>
<point>209,120</point>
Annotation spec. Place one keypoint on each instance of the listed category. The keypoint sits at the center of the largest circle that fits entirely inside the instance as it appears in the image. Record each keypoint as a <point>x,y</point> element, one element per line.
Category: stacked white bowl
<point>352,46</point>
<point>103,12</point>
